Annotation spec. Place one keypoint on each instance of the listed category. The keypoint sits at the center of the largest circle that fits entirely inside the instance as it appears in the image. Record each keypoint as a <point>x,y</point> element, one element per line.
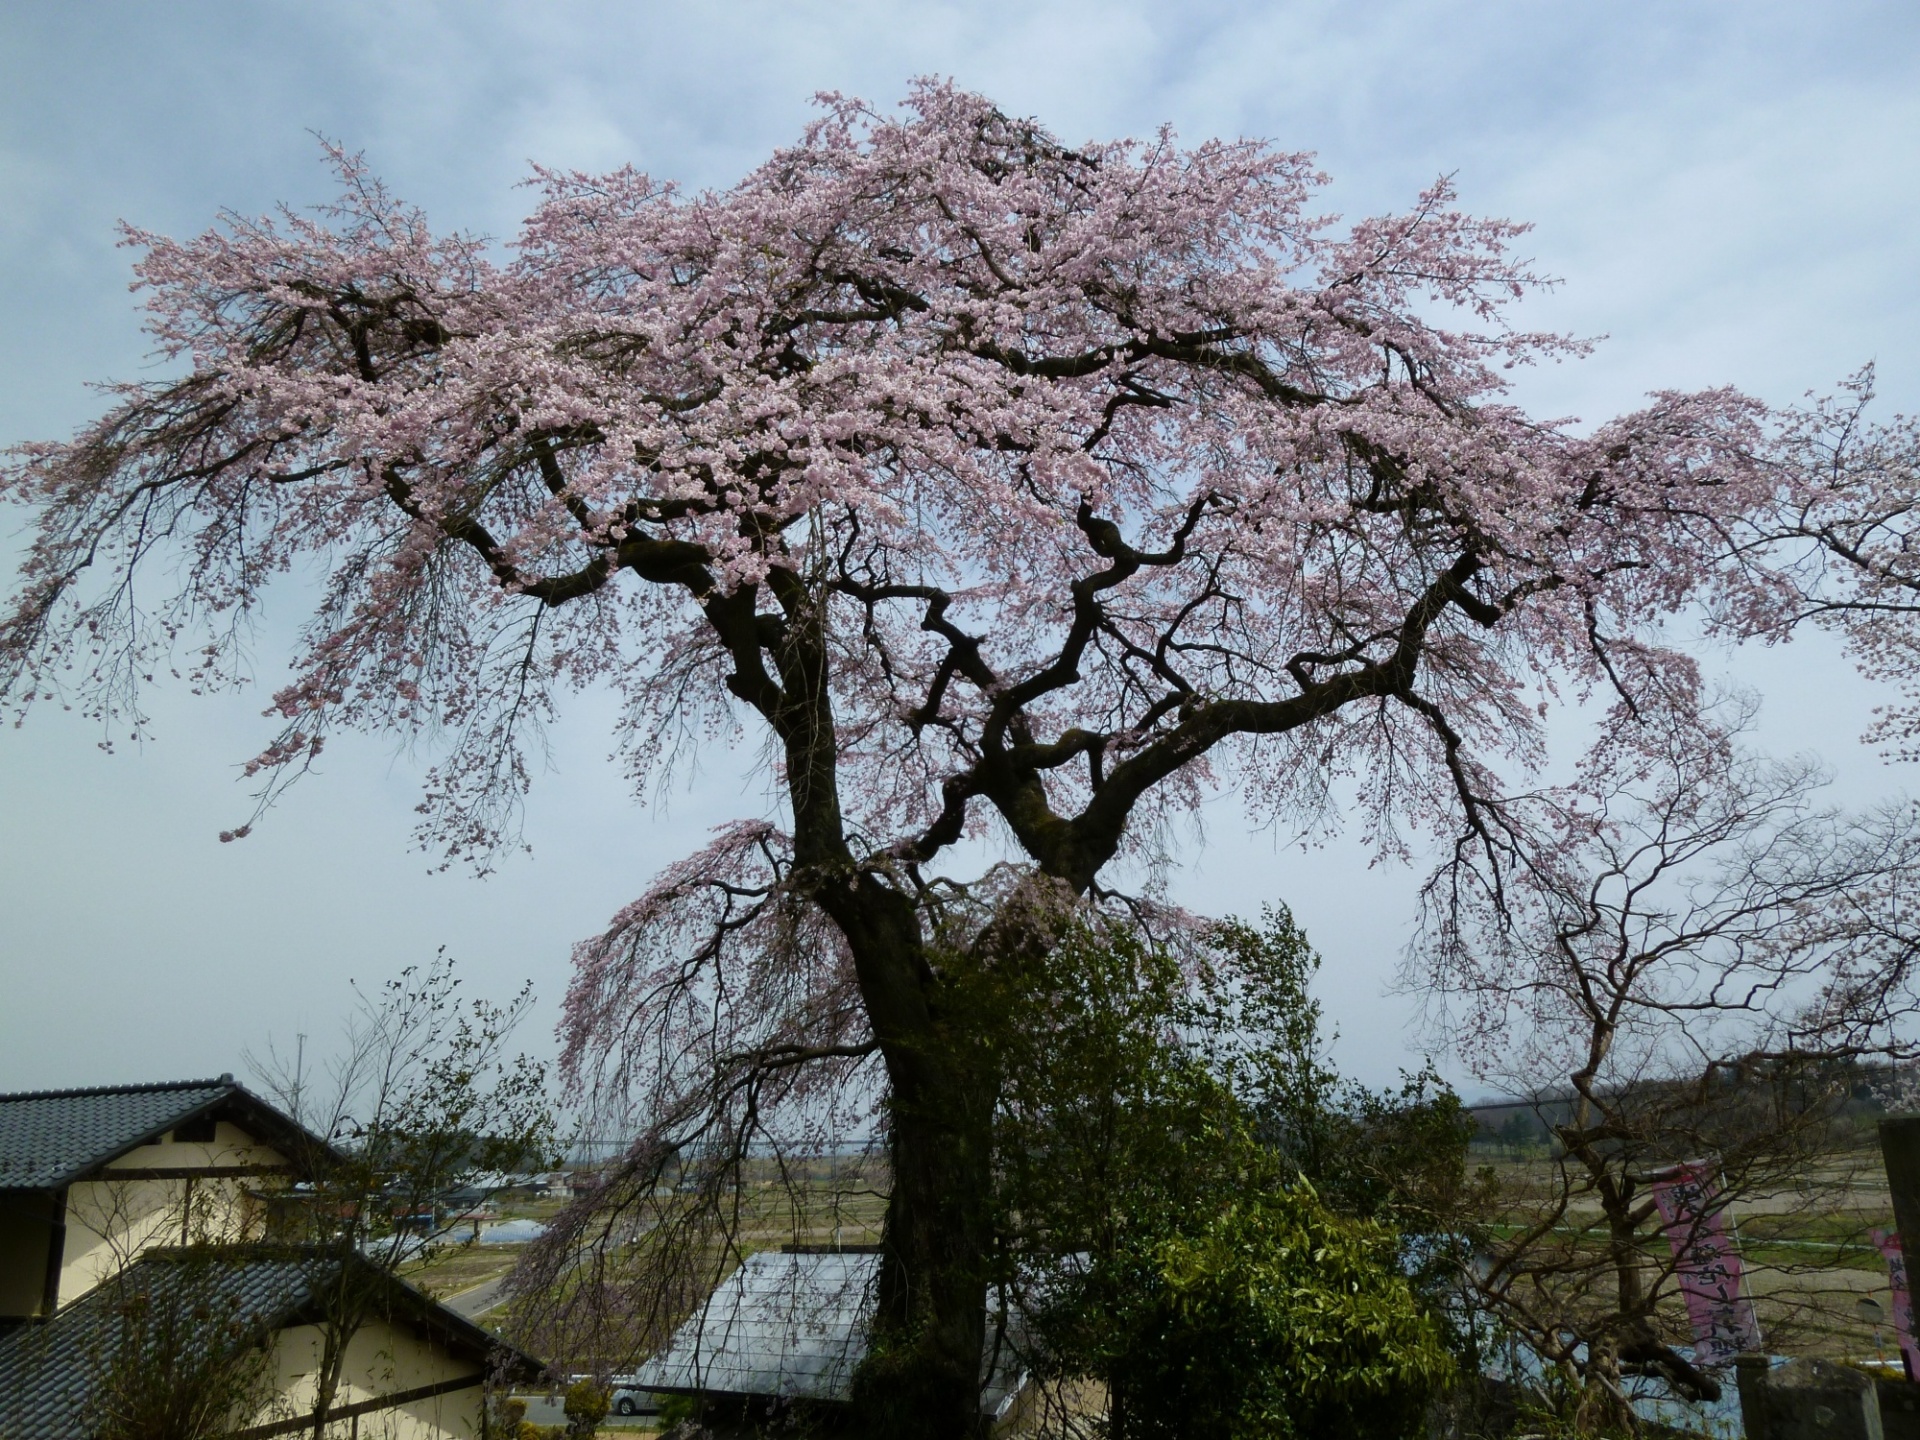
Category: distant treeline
<point>1867,1090</point>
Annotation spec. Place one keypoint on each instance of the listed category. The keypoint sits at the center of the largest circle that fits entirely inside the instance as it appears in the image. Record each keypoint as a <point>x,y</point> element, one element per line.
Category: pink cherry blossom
<point>1003,488</point>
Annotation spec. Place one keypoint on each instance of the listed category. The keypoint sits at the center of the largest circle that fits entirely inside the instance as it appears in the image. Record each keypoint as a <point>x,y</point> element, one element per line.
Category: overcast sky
<point>1728,190</point>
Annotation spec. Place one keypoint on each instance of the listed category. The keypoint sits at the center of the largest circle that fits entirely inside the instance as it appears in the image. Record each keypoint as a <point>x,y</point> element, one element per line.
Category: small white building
<point>793,1326</point>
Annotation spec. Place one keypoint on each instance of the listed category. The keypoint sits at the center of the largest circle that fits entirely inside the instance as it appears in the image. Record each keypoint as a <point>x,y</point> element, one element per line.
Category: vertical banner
<point>1707,1262</point>
<point>1888,1244</point>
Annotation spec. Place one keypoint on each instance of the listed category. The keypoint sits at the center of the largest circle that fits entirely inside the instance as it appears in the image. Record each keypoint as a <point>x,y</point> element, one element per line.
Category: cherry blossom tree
<point>1855,509</point>
<point>1015,493</point>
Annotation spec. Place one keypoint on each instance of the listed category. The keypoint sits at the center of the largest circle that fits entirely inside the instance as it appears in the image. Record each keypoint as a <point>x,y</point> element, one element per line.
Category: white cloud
<point>1729,191</point>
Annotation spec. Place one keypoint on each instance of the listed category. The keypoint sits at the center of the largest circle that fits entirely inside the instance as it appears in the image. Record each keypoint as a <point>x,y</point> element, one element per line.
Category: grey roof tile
<point>50,1137</point>
<point>50,1372</point>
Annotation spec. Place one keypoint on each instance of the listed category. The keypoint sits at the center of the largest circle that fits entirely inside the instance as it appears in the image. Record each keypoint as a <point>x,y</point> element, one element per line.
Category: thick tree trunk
<point>923,1375</point>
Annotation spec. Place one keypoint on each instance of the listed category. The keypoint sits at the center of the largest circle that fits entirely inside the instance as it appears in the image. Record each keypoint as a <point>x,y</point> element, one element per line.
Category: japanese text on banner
<point>1707,1262</point>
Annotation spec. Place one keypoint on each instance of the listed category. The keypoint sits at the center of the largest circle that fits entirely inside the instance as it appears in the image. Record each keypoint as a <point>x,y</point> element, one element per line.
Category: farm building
<point>793,1325</point>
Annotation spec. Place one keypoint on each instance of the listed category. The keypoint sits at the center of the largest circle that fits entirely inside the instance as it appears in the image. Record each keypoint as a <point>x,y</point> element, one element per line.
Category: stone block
<point>1807,1400</point>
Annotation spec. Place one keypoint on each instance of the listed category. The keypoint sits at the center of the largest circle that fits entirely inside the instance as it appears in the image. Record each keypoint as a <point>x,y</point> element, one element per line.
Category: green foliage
<point>1099,1100</point>
<point>585,1407</point>
<point>1276,1319</point>
<point>514,1425</point>
<point>676,1408</point>
<point>1398,1156</point>
<point>1127,1089</point>
<point>510,1412</point>
<point>1518,1135</point>
<point>1174,1120</point>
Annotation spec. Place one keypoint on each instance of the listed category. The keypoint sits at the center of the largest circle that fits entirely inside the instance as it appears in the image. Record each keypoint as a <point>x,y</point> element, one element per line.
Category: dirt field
<point>461,1267</point>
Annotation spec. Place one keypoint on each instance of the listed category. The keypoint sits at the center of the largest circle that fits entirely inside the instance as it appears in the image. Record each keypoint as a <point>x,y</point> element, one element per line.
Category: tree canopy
<point>1011,490</point>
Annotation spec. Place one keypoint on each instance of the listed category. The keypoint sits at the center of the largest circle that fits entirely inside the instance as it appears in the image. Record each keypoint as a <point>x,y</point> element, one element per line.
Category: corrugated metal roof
<point>792,1326</point>
<point>49,1372</point>
<point>51,1137</point>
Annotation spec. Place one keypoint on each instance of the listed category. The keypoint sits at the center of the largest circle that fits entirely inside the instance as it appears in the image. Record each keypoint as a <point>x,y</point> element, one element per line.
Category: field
<point>824,1202</point>
<point>1806,1247</point>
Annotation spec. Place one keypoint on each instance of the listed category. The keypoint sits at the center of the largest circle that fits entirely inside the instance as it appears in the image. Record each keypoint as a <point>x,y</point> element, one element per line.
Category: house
<point>90,1178</point>
<point>793,1325</point>
<point>128,1211</point>
<point>414,1370</point>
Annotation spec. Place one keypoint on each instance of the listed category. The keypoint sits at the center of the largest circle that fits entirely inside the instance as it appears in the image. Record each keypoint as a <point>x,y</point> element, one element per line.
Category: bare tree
<point>175,1352</point>
<point>1693,964</point>
<point>423,1096</point>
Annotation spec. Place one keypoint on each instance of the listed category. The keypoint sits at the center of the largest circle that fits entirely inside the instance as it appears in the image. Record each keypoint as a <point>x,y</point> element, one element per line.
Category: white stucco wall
<point>110,1221</point>
<point>382,1359</point>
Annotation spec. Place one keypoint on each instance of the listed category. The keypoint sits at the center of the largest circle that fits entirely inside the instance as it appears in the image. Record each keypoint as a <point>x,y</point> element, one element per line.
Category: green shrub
<point>675,1408</point>
<point>586,1406</point>
<point>507,1414</point>
<point>1277,1320</point>
<point>1237,1204</point>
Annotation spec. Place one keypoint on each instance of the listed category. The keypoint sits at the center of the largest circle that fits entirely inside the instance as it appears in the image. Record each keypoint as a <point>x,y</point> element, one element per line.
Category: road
<point>480,1299</point>
<point>544,1410</point>
<point>541,1410</point>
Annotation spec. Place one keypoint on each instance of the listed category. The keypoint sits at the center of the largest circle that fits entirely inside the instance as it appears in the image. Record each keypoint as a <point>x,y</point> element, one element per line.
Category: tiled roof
<point>51,1373</point>
<point>791,1325</point>
<point>49,1137</point>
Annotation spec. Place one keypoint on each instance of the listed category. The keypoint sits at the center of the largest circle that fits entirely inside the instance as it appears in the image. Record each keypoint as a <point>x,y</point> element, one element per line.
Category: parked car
<point>629,1399</point>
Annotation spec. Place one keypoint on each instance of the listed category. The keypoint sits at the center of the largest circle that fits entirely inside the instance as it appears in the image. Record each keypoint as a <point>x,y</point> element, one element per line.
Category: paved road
<point>478,1301</point>
<point>543,1411</point>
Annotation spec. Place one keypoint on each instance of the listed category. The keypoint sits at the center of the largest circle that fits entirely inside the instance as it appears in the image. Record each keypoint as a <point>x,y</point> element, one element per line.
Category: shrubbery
<point>1276,1318</point>
<point>1202,1215</point>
